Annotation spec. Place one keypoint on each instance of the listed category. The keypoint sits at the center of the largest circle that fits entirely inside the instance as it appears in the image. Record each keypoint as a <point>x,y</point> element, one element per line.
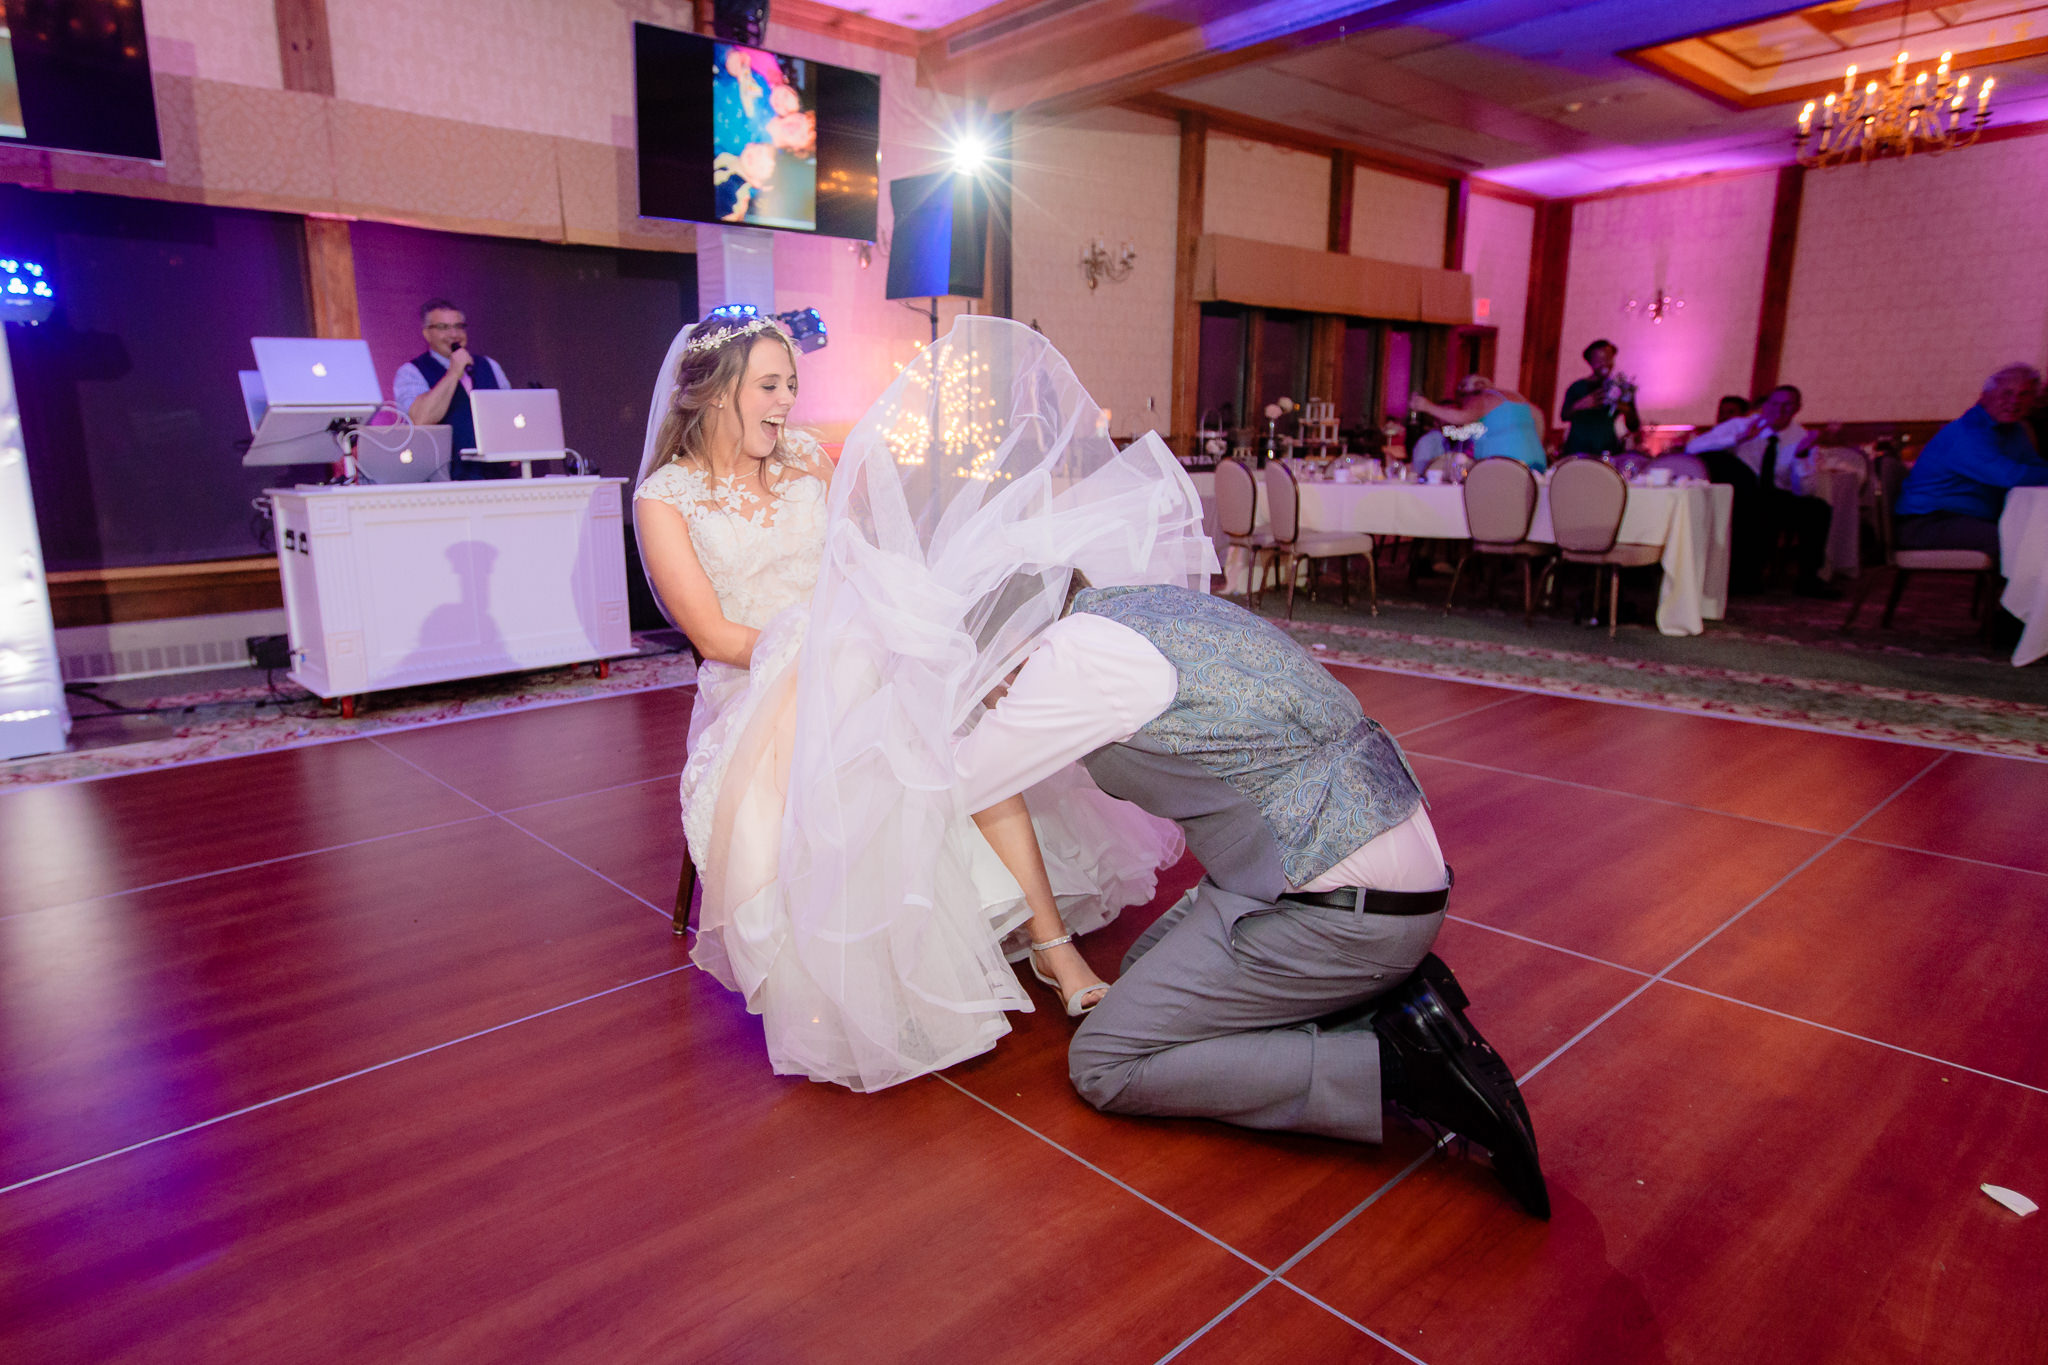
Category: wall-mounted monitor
<point>74,76</point>
<point>741,135</point>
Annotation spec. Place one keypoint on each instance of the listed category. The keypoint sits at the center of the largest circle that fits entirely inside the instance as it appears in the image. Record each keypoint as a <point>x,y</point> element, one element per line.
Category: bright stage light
<point>970,154</point>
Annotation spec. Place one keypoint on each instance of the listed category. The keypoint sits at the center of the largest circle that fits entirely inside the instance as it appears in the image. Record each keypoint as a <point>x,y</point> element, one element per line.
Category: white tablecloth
<point>2023,558</point>
<point>1690,524</point>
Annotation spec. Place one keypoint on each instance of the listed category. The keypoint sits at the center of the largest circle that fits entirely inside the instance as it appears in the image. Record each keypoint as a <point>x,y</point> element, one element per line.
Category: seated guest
<point>1955,491</point>
<point>1513,426</point>
<point>1733,405</point>
<point>1767,457</point>
<point>434,386</point>
<point>1592,404</point>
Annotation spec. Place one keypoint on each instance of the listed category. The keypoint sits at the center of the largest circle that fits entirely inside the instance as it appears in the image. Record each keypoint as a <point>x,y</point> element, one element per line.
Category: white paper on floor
<point>2012,1199</point>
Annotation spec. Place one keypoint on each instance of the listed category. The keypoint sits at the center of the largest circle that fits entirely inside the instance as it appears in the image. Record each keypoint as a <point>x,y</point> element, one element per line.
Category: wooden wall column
<point>1187,311</point>
<point>1550,259</point>
<point>1456,213</point>
<point>1326,332</point>
<point>1770,319</point>
<point>305,54</point>
<point>331,277</point>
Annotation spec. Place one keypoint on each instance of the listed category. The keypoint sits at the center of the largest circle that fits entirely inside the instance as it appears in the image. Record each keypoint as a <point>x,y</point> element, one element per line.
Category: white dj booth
<point>396,585</point>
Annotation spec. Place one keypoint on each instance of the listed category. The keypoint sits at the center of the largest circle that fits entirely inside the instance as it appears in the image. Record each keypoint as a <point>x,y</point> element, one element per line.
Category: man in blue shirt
<point>1955,492</point>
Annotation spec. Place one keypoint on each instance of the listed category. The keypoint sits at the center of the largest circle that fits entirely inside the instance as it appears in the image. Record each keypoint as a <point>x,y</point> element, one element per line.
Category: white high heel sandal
<point>1071,1000</point>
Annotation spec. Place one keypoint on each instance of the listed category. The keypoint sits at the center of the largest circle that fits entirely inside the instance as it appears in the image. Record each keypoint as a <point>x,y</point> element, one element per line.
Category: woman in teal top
<point>1509,419</point>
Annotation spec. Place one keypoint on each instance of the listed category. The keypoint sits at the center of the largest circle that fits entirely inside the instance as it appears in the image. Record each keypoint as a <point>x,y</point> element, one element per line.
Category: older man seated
<point>1955,492</point>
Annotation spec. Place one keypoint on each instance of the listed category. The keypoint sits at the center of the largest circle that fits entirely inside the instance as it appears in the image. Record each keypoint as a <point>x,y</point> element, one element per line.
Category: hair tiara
<point>711,341</point>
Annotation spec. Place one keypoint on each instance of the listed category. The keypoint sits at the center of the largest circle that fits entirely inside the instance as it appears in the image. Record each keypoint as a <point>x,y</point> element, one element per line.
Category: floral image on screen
<point>764,130</point>
<point>10,89</point>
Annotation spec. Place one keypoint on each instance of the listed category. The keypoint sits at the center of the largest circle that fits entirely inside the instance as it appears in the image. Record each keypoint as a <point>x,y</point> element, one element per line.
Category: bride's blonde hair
<point>713,364</point>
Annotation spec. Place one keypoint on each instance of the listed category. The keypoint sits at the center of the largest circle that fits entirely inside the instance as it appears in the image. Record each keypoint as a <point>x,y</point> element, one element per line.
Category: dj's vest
<point>462,426</point>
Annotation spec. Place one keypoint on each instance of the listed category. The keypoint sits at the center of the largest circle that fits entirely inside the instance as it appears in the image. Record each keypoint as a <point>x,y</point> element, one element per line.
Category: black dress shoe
<point>1436,972</point>
<point>1450,1076</point>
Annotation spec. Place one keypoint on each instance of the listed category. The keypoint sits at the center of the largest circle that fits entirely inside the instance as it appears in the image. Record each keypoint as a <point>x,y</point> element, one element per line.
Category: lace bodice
<point>760,553</point>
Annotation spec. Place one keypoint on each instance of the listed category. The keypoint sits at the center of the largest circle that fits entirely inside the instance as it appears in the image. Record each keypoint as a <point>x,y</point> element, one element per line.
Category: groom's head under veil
<point>989,466</point>
<point>963,504</point>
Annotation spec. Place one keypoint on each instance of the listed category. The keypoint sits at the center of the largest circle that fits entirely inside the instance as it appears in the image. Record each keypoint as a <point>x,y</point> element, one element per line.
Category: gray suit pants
<point>1211,1015</point>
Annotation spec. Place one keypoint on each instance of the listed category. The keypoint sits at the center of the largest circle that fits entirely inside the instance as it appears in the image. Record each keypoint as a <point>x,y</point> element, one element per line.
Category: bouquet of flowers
<point>1621,388</point>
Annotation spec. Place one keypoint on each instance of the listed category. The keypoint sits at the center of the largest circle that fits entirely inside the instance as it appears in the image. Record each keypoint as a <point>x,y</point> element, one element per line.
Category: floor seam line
<point>1462,715</point>
<point>315,743</point>
<point>1851,1034</point>
<point>245,867</point>
<point>1616,791</point>
<point>1730,922</point>
<point>566,856</point>
<point>432,776</point>
<point>1077,1158</point>
<point>1542,943</point>
<point>1952,857</point>
<point>1342,1316</point>
<point>332,1081</point>
<point>1218,1320</point>
<point>675,776</point>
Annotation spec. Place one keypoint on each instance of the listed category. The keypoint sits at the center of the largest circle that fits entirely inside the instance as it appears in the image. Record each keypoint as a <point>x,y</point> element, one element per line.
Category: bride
<point>855,906</point>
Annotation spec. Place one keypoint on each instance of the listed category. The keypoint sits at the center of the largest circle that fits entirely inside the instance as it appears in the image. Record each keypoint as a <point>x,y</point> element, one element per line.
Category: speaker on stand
<point>939,245</point>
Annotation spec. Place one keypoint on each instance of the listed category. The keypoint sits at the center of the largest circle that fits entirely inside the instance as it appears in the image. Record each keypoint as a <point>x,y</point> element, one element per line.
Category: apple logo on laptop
<point>519,419</point>
<point>319,370</point>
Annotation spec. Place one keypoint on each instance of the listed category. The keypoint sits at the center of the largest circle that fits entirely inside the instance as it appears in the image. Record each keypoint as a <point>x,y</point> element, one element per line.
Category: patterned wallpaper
<point>1704,242</point>
<point>561,67</point>
<point>1114,175</point>
<point>1267,193</point>
<point>1498,236</point>
<point>216,40</point>
<point>1395,218</point>
<point>1914,280</point>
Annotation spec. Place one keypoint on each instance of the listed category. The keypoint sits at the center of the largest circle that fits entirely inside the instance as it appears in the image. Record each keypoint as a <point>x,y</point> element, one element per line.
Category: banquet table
<point>1689,523</point>
<point>2023,557</point>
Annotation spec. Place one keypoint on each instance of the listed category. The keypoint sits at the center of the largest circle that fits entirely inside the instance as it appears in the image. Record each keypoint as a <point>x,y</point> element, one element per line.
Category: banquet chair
<point>1587,500</point>
<point>1890,475</point>
<point>1237,503</point>
<point>1292,546</point>
<point>1681,465</point>
<point>1500,502</point>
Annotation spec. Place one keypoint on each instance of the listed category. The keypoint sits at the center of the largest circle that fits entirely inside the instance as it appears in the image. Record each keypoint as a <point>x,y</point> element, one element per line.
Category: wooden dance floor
<point>382,1051</point>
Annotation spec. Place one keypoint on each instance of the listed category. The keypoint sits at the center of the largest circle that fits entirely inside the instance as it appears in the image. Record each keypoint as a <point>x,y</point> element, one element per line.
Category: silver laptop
<point>399,454</point>
<point>300,388</point>
<point>516,425</point>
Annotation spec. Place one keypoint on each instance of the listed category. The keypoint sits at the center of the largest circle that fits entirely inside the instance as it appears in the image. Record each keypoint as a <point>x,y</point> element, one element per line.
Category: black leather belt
<point>1371,902</point>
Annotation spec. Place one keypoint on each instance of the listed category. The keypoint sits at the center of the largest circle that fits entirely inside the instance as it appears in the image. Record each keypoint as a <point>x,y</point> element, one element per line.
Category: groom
<point>1293,987</point>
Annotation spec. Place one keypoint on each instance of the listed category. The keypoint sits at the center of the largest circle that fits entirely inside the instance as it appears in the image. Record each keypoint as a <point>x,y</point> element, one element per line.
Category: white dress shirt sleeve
<point>407,385</point>
<point>1087,682</point>
<point>1723,437</point>
<point>499,372</point>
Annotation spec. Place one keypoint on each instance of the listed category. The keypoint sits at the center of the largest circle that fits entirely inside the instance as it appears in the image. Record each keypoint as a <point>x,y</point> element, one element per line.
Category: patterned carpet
<point>112,733</point>
<point>1931,679</point>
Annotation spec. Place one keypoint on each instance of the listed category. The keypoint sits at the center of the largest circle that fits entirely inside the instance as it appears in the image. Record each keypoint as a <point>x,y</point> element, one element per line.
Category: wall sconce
<point>1098,264</point>
<point>1657,307</point>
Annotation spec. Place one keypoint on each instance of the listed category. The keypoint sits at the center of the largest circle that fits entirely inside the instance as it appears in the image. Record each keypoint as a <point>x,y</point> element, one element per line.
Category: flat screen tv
<point>74,76</point>
<point>733,134</point>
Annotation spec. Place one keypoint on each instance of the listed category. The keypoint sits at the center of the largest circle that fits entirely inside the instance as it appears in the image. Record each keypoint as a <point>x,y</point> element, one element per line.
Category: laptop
<point>300,388</point>
<point>404,455</point>
<point>516,425</point>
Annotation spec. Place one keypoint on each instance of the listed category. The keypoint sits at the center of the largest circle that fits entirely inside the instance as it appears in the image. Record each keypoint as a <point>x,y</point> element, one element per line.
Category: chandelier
<point>1895,119</point>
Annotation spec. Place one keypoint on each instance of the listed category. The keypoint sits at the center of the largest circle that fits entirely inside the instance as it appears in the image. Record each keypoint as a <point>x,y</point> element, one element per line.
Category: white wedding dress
<point>880,994</point>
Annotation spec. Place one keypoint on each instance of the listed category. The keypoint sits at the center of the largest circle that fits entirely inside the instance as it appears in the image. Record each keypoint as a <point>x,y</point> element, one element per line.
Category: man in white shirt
<point>1768,459</point>
<point>434,386</point>
<point>1293,987</point>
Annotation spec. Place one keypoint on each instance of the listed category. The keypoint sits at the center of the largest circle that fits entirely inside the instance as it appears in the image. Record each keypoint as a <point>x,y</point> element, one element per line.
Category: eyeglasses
<point>447,327</point>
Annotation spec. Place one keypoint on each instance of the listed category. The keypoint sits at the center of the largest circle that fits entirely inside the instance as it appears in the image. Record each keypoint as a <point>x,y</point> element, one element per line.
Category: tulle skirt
<point>911,972</point>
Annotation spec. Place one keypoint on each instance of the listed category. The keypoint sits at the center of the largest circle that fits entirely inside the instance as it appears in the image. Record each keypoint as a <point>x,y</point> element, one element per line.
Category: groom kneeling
<point>1293,987</point>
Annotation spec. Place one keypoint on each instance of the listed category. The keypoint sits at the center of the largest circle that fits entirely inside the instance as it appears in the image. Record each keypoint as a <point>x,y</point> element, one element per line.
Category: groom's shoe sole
<point>1454,1078</point>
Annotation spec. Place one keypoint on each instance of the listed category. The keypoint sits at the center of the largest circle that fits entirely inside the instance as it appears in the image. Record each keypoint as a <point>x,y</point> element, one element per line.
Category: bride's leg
<point>1007,827</point>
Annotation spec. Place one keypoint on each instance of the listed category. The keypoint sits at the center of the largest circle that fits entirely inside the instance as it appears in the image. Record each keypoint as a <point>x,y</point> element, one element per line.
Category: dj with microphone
<point>434,386</point>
